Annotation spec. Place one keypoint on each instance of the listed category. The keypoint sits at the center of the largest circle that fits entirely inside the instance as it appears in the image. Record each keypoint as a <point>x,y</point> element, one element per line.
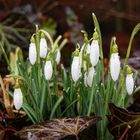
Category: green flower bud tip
<point>115,48</point>
<point>78,97</point>
<point>128,71</point>
<point>76,52</point>
<point>48,57</point>
<point>42,35</point>
<point>95,35</point>
<point>32,40</point>
<point>85,36</point>
<point>17,85</point>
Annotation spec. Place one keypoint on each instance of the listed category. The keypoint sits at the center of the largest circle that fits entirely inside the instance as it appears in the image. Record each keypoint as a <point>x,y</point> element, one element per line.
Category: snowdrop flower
<point>43,46</point>
<point>18,98</point>
<point>75,67</point>
<point>58,56</point>
<point>115,63</point>
<point>32,52</point>
<point>48,70</point>
<point>129,81</point>
<point>94,52</point>
<point>88,77</point>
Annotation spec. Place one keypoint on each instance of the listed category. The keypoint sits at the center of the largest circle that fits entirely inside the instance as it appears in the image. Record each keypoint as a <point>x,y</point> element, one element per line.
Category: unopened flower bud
<point>115,64</point>
<point>88,77</point>
<point>58,56</point>
<point>32,52</point>
<point>75,67</point>
<point>18,98</point>
<point>94,52</point>
<point>48,70</point>
<point>43,46</point>
<point>129,81</point>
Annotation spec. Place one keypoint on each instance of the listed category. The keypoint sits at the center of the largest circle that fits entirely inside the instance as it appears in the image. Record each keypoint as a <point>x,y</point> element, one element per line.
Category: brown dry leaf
<point>124,125</point>
<point>6,98</point>
<point>58,129</point>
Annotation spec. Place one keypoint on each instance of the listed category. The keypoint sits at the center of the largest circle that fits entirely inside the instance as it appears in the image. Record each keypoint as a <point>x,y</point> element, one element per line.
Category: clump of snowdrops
<point>84,88</point>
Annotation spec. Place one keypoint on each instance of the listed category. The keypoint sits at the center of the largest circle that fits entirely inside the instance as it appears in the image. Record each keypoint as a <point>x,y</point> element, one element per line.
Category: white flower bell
<point>94,52</point>
<point>32,52</point>
<point>94,49</point>
<point>48,70</point>
<point>43,46</point>
<point>58,56</point>
<point>115,64</point>
<point>88,77</point>
<point>75,67</point>
<point>18,98</point>
<point>129,81</point>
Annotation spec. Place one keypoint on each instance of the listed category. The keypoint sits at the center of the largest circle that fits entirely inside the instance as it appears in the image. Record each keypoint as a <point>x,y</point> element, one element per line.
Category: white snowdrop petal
<point>94,52</point>
<point>129,83</point>
<point>43,48</point>
<point>115,66</point>
<point>32,53</point>
<point>88,48</point>
<point>48,70</point>
<point>58,56</point>
<point>90,76</point>
<point>18,99</point>
<point>76,69</point>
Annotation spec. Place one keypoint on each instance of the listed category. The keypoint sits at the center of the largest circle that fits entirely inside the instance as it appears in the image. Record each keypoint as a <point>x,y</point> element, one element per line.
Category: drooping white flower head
<point>43,46</point>
<point>18,98</point>
<point>32,52</point>
<point>58,56</point>
<point>94,52</point>
<point>129,81</point>
<point>75,67</point>
<point>88,77</point>
<point>48,70</point>
<point>115,64</point>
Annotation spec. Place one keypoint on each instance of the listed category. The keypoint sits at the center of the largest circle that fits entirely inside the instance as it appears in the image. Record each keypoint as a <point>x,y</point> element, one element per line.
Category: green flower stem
<point>56,106</point>
<point>56,43</point>
<point>72,103</point>
<point>63,43</point>
<point>38,54</point>
<point>134,32</point>
<point>123,88</point>
<point>108,81</point>
<point>91,99</point>
<point>55,77</point>
<point>96,24</point>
